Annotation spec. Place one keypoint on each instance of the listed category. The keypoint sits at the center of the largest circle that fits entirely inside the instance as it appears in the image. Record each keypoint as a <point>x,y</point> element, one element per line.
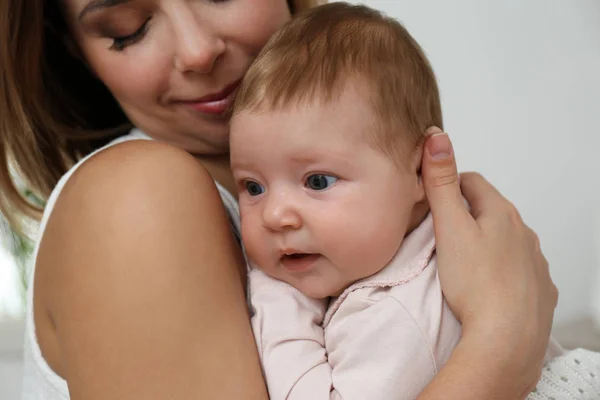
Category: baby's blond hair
<point>312,57</point>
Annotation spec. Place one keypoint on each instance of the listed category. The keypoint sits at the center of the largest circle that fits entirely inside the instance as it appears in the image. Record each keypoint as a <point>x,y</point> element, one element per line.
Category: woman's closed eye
<point>121,42</point>
<point>320,181</point>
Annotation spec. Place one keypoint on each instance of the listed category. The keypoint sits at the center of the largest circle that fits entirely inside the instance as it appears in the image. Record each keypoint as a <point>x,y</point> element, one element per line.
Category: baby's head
<point>326,141</point>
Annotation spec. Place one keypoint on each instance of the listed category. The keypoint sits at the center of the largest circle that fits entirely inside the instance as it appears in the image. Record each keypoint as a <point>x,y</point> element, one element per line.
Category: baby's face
<point>320,207</point>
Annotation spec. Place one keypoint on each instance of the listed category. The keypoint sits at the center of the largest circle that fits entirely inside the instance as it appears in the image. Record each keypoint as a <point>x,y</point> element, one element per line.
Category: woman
<point>138,286</point>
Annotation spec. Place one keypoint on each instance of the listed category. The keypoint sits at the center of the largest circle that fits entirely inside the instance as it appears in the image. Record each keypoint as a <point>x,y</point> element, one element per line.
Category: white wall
<point>11,329</point>
<point>11,358</point>
<point>596,292</point>
<point>521,95</point>
<point>11,296</point>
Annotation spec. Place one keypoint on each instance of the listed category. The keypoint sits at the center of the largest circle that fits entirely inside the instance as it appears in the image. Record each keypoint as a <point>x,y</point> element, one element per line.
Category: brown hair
<point>313,55</point>
<point>49,103</point>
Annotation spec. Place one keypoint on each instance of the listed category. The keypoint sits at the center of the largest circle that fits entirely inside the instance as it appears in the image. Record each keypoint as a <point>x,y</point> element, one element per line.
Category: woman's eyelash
<point>120,43</point>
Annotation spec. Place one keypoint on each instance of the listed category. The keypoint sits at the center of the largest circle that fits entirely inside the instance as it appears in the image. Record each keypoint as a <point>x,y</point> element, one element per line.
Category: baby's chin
<point>314,285</point>
<point>319,291</point>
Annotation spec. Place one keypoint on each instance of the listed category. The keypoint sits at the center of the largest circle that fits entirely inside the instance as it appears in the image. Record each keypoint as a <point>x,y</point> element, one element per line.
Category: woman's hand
<point>491,268</point>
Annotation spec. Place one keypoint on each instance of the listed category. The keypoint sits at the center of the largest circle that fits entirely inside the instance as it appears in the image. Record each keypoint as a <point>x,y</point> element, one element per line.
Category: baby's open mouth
<point>299,261</point>
<point>296,256</point>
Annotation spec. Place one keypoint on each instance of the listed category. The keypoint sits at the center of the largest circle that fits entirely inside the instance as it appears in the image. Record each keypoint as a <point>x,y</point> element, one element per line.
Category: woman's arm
<point>495,279</point>
<point>145,287</point>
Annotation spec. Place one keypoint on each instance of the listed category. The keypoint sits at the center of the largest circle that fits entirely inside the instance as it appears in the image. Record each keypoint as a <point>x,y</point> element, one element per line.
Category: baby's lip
<point>298,254</point>
<point>290,250</point>
<point>299,262</point>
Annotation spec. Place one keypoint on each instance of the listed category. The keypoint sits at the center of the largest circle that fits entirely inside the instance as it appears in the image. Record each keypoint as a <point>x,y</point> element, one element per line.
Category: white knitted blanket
<point>574,375</point>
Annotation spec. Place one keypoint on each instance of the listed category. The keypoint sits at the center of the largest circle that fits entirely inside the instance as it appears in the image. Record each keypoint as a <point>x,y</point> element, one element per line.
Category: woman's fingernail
<point>433,130</point>
<point>439,146</point>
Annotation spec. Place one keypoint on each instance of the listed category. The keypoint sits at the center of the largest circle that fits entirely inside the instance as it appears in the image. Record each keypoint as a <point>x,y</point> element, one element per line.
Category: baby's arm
<point>289,337</point>
<point>374,351</point>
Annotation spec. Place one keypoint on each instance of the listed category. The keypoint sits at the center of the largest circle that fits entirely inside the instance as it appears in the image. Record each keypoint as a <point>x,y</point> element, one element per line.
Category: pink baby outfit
<point>385,337</point>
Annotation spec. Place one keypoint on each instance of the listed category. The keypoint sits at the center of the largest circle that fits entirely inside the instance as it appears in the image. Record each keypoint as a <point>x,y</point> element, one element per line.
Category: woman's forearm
<point>477,370</point>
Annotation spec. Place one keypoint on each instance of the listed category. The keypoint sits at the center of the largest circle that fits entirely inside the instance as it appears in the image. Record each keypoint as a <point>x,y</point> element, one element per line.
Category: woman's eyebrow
<point>98,4</point>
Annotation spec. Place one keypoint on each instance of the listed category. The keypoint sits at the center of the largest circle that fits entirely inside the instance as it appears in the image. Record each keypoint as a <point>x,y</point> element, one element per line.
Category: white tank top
<point>40,382</point>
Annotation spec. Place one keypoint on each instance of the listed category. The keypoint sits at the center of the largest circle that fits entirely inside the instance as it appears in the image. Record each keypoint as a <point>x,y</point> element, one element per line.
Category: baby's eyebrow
<point>306,158</point>
<point>236,165</point>
<point>317,157</point>
<point>97,5</point>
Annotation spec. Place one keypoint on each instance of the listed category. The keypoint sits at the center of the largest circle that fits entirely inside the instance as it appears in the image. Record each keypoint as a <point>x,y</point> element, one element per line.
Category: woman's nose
<point>198,44</point>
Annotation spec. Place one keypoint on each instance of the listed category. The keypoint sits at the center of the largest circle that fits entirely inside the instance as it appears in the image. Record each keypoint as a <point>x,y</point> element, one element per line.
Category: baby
<point>326,143</point>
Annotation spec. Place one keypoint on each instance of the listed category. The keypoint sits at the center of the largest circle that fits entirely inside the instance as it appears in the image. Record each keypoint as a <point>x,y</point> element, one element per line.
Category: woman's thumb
<point>441,181</point>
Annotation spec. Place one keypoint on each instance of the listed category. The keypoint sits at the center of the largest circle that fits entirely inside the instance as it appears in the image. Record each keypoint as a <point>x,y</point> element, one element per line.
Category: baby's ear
<point>415,168</point>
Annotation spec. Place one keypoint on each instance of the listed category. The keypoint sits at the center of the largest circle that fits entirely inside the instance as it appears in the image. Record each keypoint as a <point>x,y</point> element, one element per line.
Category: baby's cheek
<point>371,243</point>
<point>252,240</point>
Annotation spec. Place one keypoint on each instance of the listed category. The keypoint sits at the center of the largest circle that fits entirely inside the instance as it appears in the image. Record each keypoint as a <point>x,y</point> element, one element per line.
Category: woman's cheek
<point>254,23</point>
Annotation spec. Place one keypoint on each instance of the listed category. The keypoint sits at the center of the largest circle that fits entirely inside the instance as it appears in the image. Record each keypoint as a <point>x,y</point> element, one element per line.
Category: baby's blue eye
<point>320,181</point>
<point>253,188</point>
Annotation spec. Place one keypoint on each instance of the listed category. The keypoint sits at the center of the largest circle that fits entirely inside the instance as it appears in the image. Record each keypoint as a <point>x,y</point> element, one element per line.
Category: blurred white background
<point>520,84</point>
<point>520,87</point>
<point>11,327</point>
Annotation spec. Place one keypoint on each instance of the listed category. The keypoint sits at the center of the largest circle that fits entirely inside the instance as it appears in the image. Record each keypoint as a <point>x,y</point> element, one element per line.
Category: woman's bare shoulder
<point>135,172</point>
<point>138,239</point>
<point>130,202</point>
<point>140,192</point>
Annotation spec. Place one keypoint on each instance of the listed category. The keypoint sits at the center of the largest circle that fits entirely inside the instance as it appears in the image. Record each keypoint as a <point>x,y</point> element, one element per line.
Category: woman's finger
<point>442,186</point>
<point>480,194</point>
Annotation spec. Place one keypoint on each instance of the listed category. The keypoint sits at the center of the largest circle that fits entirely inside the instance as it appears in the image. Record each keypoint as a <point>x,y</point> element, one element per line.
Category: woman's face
<point>174,65</point>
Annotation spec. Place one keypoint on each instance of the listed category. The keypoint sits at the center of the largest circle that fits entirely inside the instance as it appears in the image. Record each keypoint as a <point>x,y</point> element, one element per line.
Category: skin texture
<point>139,293</point>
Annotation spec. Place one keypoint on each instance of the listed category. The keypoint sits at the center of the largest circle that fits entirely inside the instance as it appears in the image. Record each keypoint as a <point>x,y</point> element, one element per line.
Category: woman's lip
<point>220,95</point>
<point>217,107</point>
<point>214,103</point>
